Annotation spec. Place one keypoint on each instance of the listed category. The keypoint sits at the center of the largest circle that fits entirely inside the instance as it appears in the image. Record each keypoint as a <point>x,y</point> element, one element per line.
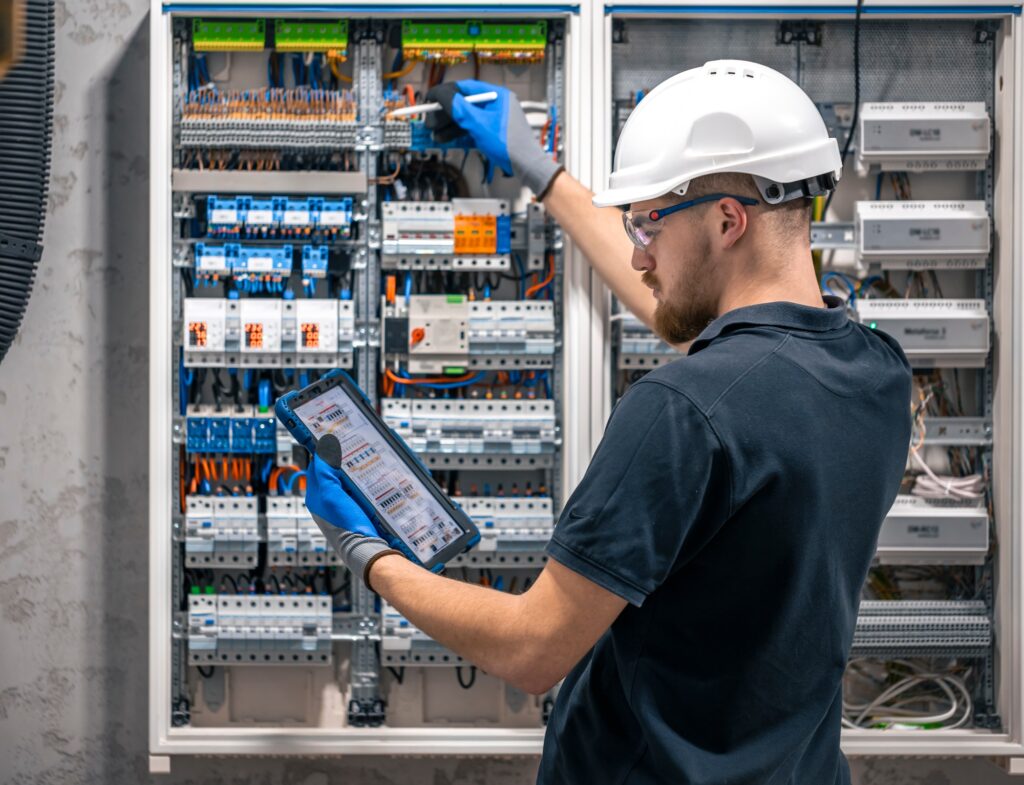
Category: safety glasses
<point>642,228</point>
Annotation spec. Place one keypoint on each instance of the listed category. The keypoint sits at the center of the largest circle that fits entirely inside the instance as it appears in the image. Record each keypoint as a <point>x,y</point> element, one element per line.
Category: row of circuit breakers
<point>437,332</point>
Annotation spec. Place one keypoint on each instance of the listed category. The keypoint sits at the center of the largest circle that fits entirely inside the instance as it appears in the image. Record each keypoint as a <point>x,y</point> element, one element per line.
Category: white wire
<point>534,106</point>
<point>931,486</point>
<point>885,710</point>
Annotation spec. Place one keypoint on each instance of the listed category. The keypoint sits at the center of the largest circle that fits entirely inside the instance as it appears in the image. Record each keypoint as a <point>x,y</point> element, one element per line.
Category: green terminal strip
<point>229,35</point>
<point>474,35</point>
<point>292,35</point>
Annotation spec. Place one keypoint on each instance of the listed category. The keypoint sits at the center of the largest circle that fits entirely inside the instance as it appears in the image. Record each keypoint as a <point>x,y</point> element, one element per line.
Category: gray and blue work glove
<point>498,128</point>
<point>347,528</point>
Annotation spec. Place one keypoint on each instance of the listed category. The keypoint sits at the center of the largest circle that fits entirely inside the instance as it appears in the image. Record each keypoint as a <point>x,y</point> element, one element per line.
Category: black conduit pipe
<point>26,131</point>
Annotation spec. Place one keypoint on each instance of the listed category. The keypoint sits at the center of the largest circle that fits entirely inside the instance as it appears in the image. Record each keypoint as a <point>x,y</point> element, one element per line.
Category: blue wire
<point>846,282</point>
<point>522,275</point>
<point>878,187</point>
<point>408,287</point>
<point>290,482</point>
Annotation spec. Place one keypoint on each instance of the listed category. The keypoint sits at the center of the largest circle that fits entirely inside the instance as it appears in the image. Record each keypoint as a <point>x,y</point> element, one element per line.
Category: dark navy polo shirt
<point>735,503</point>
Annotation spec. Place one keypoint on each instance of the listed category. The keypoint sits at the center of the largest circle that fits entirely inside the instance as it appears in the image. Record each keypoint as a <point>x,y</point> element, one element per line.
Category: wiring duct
<point>26,126</point>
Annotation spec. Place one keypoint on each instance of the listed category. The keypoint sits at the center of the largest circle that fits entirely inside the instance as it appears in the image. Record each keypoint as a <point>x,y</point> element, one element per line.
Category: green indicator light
<point>456,298</point>
<point>873,325</point>
<point>453,371</point>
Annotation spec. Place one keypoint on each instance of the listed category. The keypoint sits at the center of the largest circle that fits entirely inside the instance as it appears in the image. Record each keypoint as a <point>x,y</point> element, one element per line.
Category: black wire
<point>203,673</point>
<point>472,677</point>
<point>856,98</point>
<point>230,580</point>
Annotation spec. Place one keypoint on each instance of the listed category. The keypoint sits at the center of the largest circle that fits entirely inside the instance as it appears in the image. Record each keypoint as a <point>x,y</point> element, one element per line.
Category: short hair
<point>789,218</point>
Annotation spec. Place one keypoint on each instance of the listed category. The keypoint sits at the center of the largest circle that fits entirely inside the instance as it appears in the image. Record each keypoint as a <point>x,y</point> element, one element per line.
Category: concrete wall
<point>73,705</point>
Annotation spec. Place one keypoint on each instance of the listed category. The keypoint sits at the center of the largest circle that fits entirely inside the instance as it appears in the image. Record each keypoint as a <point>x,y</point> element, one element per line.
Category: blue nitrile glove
<point>499,130</point>
<point>345,526</point>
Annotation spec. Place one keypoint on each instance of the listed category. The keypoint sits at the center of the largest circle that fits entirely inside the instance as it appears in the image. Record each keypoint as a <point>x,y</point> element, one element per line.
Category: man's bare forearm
<point>530,640</point>
<point>480,624</point>
<point>597,231</point>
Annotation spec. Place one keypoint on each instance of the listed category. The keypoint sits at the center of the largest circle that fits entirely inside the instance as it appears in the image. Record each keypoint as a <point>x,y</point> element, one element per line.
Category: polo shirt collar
<point>788,316</point>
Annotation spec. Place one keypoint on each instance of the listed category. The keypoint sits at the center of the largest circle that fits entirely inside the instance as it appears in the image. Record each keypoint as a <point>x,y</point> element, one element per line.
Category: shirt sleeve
<point>659,474</point>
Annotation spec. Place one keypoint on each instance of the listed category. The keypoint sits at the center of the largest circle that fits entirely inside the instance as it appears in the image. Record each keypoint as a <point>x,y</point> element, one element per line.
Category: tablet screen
<point>378,471</point>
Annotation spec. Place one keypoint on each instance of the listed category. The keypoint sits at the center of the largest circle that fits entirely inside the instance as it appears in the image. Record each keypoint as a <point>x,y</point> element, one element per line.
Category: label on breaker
<point>211,262</point>
<point>260,264</point>
<point>223,216</point>
<point>260,217</point>
<point>334,218</point>
<point>296,218</point>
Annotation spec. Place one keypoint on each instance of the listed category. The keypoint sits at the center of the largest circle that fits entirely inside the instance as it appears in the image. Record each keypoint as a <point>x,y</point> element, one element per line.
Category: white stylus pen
<point>405,111</point>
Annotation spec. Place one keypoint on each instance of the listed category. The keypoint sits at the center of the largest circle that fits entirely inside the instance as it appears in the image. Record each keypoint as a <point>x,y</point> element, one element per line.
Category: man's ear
<point>731,222</point>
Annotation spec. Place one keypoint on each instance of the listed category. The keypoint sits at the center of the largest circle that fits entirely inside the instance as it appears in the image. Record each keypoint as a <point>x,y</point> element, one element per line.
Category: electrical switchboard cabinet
<point>301,222</point>
<point>298,225</point>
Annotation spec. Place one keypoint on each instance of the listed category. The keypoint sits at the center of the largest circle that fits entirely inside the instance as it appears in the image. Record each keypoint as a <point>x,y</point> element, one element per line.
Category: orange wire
<point>272,482</point>
<point>551,274</point>
<point>248,471</point>
<point>428,380</point>
<point>181,477</point>
<point>410,95</point>
<point>403,71</point>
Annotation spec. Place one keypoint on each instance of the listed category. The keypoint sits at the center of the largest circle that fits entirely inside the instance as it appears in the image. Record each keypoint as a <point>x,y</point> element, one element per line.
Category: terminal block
<point>259,629</point>
<point>309,35</point>
<point>438,333</point>
<point>262,267</point>
<point>463,234</point>
<point>639,347</point>
<point>229,35</point>
<point>472,428</point>
<point>909,234</point>
<point>452,42</point>
<point>232,429</point>
<point>933,333</point>
<point>270,119</point>
<point>918,136</point>
<point>221,531</point>
<point>926,531</point>
<point>257,217</point>
<point>215,261</point>
<point>922,628</point>
<point>293,538</point>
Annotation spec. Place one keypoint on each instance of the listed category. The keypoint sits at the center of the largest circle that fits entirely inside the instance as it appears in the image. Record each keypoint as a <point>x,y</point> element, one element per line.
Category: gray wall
<point>73,705</point>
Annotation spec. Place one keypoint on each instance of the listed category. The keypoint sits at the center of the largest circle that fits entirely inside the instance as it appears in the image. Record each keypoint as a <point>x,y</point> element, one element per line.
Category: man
<point>704,578</point>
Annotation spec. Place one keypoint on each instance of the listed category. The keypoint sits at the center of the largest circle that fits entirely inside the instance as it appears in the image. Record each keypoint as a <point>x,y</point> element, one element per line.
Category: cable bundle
<point>26,125</point>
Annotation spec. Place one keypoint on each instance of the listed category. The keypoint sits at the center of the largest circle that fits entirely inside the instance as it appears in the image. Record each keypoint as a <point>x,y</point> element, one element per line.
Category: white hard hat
<point>726,116</point>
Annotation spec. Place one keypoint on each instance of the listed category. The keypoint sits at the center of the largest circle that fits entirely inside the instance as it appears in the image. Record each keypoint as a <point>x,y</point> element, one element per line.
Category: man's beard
<point>681,316</point>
